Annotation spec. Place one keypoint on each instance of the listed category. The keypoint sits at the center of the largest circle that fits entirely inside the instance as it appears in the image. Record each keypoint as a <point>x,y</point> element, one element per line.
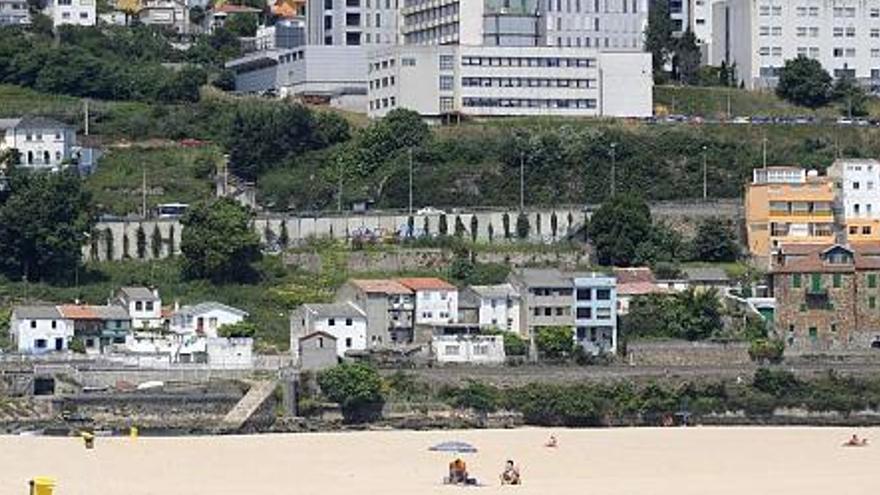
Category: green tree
<point>554,224</point>
<point>617,228</point>
<point>442,227</point>
<point>477,396</point>
<point>241,329</point>
<point>555,342</point>
<point>156,242</point>
<point>357,388</point>
<point>141,241</point>
<point>244,25</point>
<point>803,81</point>
<point>284,237</point>
<point>505,222</point>
<point>459,227</point>
<point>43,225</point>
<point>108,244</point>
<point>715,241</point>
<point>522,226</point>
<point>218,242</point>
<point>851,97</point>
<point>766,350</point>
<point>514,345</point>
<point>687,58</point>
<point>474,228</point>
<point>224,80</point>
<point>658,37</point>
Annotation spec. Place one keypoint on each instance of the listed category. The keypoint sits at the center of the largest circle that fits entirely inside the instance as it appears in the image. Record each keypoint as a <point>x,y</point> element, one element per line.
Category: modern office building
<point>701,23</point>
<point>760,35</point>
<point>595,312</point>
<point>786,205</point>
<point>352,22</point>
<point>497,81</point>
<point>857,187</point>
<point>14,13</point>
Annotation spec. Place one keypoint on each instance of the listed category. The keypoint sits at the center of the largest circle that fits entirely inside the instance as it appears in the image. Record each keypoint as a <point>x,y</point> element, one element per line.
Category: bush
<point>766,350</point>
<point>475,395</point>
<point>357,388</point>
<point>241,329</point>
<point>555,342</point>
<point>77,346</point>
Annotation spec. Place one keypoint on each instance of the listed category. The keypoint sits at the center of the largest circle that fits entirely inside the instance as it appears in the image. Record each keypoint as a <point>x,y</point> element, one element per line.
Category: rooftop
<point>705,274</point>
<point>380,286</point>
<point>37,312</point>
<point>814,258</point>
<point>426,283</point>
<point>495,291</point>
<point>637,281</point>
<point>543,277</point>
<point>228,8</point>
<point>90,312</point>
<point>335,310</point>
<point>204,307</point>
<point>319,333</point>
<point>139,294</point>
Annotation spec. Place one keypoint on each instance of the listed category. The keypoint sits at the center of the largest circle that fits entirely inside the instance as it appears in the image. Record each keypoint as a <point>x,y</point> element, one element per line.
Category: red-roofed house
<point>436,300</point>
<point>827,296</point>
<point>632,282</point>
<point>389,308</point>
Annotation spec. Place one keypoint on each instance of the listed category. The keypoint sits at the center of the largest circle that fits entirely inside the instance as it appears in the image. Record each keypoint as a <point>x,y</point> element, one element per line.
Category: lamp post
<point>705,176</point>
<point>613,169</point>
<point>522,181</point>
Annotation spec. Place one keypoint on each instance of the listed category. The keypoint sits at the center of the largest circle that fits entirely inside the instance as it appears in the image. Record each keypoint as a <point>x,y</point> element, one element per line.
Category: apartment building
<point>389,307</point>
<point>546,298</point>
<point>498,307</point>
<point>72,12</point>
<point>760,35</point>
<point>502,81</point>
<point>826,296</point>
<point>352,22</point>
<point>701,23</point>
<point>170,14</point>
<point>788,205</point>
<point>14,13</point>
<point>436,300</point>
<point>595,312</point>
<point>857,188</point>
<point>42,144</point>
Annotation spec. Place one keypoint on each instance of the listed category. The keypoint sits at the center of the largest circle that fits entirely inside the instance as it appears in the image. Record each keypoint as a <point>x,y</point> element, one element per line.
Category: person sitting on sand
<point>458,472</point>
<point>855,441</point>
<point>510,475</point>
<point>551,443</point>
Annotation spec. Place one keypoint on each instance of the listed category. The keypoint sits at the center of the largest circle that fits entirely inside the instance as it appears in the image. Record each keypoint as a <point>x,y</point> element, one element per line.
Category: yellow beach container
<point>42,485</point>
<point>133,432</point>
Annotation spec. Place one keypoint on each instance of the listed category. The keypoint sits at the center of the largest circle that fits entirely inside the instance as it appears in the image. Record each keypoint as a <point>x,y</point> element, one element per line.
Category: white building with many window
<point>760,35</point>
<point>352,22</point>
<point>499,307</point>
<point>205,318</point>
<point>72,12</point>
<point>503,81</point>
<point>42,144</point>
<point>14,13</point>
<point>143,305</point>
<point>436,300</point>
<point>857,187</point>
<point>346,322</point>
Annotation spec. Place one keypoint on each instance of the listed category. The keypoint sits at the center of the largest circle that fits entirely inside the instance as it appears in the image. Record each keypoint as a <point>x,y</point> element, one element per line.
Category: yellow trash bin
<point>42,485</point>
<point>133,432</point>
<point>88,439</point>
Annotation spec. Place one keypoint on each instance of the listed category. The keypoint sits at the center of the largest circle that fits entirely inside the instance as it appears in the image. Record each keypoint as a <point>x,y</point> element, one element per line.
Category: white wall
<point>145,318</point>
<point>436,306</point>
<point>25,336</point>
<point>33,144</point>
<point>230,353</point>
<point>352,336</point>
<point>504,309</point>
<point>212,320</point>
<point>482,349</point>
<point>77,13</point>
<point>627,84</point>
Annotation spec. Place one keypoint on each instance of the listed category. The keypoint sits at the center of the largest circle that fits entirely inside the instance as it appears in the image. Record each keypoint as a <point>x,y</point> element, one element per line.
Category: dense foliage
<point>242,329</point>
<point>555,342</point>
<point>803,81</point>
<point>44,222</point>
<point>357,388</point>
<point>617,229</point>
<point>690,315</point>
<point>715,241</point>
<point>218,242</point>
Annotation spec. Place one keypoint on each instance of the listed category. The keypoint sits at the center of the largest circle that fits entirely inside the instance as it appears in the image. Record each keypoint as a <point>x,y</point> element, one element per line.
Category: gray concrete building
<point>316,351</point>
<point>389,307</point>
<point>546,298</point>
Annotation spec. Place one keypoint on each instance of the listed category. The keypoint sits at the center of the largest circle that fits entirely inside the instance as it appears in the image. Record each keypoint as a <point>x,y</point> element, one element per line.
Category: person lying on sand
<point>855,441</point>
<point>551,443</point>
<point>510,475</point>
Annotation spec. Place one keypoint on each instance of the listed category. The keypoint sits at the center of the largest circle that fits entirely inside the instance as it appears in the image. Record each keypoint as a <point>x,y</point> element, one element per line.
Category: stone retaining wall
<point>676,353</point>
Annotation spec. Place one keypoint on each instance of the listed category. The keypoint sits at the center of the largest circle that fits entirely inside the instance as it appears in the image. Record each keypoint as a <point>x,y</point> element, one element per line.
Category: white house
<point>143,305</point>
<point>499,307</point>
<point>472,349</point>
<point>14,13</point>
<point>39,329</point>
<point>205,318</point>
<point>72,12</point>
<point>344,321</point>
<point>436,300</point>
<point>43,144</point>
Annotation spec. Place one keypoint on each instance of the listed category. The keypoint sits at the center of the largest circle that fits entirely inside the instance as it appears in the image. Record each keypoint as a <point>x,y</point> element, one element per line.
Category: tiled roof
<point>807,258</point>
<point>319,333</point>
<point>543,277</point>
<point>139,293</point>
<point>639,289</point>
<point>705,274</point>
<point>469,299</point>
<point>37,312</point>
<point>40,123</point>
<point>634,275</point>
<point>380,286</point>
<point>229,8</point>
<point>336,310</point>
<point>426,283</point>
<point>89,312</point>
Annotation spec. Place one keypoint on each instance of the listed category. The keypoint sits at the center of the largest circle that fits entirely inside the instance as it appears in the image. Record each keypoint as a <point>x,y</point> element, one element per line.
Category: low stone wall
<point>680,353</point>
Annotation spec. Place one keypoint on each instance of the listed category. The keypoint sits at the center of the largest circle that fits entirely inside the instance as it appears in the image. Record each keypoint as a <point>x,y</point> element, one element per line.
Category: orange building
<point>788,205</point>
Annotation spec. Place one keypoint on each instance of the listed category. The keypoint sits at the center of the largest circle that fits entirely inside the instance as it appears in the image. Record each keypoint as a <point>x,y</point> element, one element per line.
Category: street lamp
<point>522,181</point>
<point>613,169</point>
<point>705,176</point>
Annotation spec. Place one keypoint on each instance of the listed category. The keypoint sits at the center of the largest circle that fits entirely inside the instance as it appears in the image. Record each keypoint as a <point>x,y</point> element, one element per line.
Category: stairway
<point>248,405</point>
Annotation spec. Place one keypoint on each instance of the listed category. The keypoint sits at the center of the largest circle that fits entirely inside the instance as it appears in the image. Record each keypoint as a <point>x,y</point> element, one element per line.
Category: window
<point>451,350</point>
<point>33,323</point>
<point>348,322</point>
<point>872,302</point>
<point>836,280</point>
<point>320,342</point>
<point>138,306</point>
<point>40,343</point>
<point>331,322</point>
<point>149,305</point>
<point>348,342</point>
<point>446,83</point>
<point>584,294</point>
<point>816,282</point>
<point>814,334</point>
<point>603,313</point>
<point>560,311</point>
<point>54,324</point>
<point>866,230</point>
<point>796,280</point>
<point>603,294</point>
<point>872,280</point>
<point>584,313</point>
<point>408,62</point>
<point>447,62</point>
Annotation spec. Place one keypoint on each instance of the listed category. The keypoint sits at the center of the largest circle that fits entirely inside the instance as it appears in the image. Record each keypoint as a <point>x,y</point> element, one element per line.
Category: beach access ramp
<point>248,405</point>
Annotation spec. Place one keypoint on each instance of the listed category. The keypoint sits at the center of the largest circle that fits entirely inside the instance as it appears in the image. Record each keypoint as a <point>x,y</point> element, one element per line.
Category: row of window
<point>140,305</point>
<point>431,14</point>
<point>587,42</point>
<point>331,322</point>
<point>380,103</point>
<point>527,61</point>
<point>587,103</point>
<point>525,82</point>
<point>587,313</point>
<point>389,4</point>
<point>427,315</point>
<point>855,230</point>
<point>455,349</point>
<point>39,136</point>
<point>587,294</point>
<point>612,6</point>
<point>382,83</point>
<point>551,311</point>
<point>836,281</point>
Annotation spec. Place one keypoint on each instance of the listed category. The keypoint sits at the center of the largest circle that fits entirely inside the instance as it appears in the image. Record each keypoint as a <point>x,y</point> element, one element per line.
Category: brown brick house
<point>827,296</point>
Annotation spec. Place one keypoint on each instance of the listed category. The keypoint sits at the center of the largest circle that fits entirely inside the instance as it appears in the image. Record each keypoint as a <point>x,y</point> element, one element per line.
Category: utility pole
<point>339,194</point>
<point>764,152</point>
<point>410,181</point>
<point>522,181</point>
<point>144,192</point>
<point>86,116</point>
<point>613,170</point>
<point>705,176</point>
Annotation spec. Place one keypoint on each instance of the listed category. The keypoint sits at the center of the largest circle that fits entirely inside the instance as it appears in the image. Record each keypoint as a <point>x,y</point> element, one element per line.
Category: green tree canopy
<point>687,58</point>
<point>357,388</point>
<point>244,25</point>
<point>617,228</point>
<point>44,222</point>
<point>241,329</point>
<point>555,342</point>
<point>218,242</point>
<point>851,96</point>
<point>715,241</point>
<point>803,81</point>
<point>658,36</point>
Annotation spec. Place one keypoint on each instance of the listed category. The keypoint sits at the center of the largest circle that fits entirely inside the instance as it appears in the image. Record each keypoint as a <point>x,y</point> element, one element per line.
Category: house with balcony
<point>14,13</point>
<point>98,327</point>
<point>827,296</point>
<point>786,205</point>
<point>498,306</point>
<point>41,143</point>
<point>389,307</point>
<point>205,318</point>
<point>595,312</point>
<point>545,299</point>
<point>436,300</point>
<point>143,305</point>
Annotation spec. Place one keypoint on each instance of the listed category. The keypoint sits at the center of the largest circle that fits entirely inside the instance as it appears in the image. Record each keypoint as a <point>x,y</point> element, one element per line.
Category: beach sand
<point>679,461</point>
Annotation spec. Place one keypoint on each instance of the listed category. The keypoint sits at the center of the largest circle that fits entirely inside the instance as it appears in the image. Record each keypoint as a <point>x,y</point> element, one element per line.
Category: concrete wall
<point>681,353</point>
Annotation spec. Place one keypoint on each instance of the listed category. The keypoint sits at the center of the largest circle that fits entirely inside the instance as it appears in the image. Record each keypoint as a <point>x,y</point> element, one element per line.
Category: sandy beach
<point>679,461</point>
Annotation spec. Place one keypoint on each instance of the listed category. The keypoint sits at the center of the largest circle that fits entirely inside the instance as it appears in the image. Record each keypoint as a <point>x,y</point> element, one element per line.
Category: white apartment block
<point>760,35</point>
<point>499,307</point>
<point>679,13</point>
<point>172,14</point>
<point>701,24</point>
<point>436,300</point>
<point>613,24</point>
<point>352,22</point>
<point>42,144</point>
<point>72,12</point>
<point>857,183</point>
<point>502,81</point>
<point>14,13</point>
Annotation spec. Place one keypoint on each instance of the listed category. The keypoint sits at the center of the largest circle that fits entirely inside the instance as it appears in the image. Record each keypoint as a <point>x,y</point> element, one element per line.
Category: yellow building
<point>788,205</point>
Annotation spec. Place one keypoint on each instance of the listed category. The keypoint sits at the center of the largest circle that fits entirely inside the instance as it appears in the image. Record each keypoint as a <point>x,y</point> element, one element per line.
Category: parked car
<point>430,210</point>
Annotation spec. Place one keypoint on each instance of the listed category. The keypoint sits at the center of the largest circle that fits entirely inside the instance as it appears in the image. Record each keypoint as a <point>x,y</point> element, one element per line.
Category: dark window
<point>348,322</point>
<point>40,343</point>
<point>584,294</point>
<point>138,306</point>
<point>331,322</point>
<point>584,313</point>
<point>603,294</point>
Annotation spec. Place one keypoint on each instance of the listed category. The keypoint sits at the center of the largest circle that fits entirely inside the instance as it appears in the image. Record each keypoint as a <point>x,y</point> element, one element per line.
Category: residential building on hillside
<point>701,23</point>
<point>436,300</point>
<point>169,14</point>
<point>788,205</point>
<point>827,296</point>
<point>546,298</point>
<point>217,15</point>
<point>760,35</point>
<point>315,352</point>
<point>499,307</point>
<point>635,282</point>
<point>39,329</point>
<point>595,312</point>
<point>389,307</point>
<point>143,305</point>
<point>98,327</point>
<point>857,187</point>
<point>14,13</point>
<point>346,322</point>
<point>205,318</point>
<point>42,144</point>
<point>352,22</point>
<point>72,12</point>
<point>497,81</point>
